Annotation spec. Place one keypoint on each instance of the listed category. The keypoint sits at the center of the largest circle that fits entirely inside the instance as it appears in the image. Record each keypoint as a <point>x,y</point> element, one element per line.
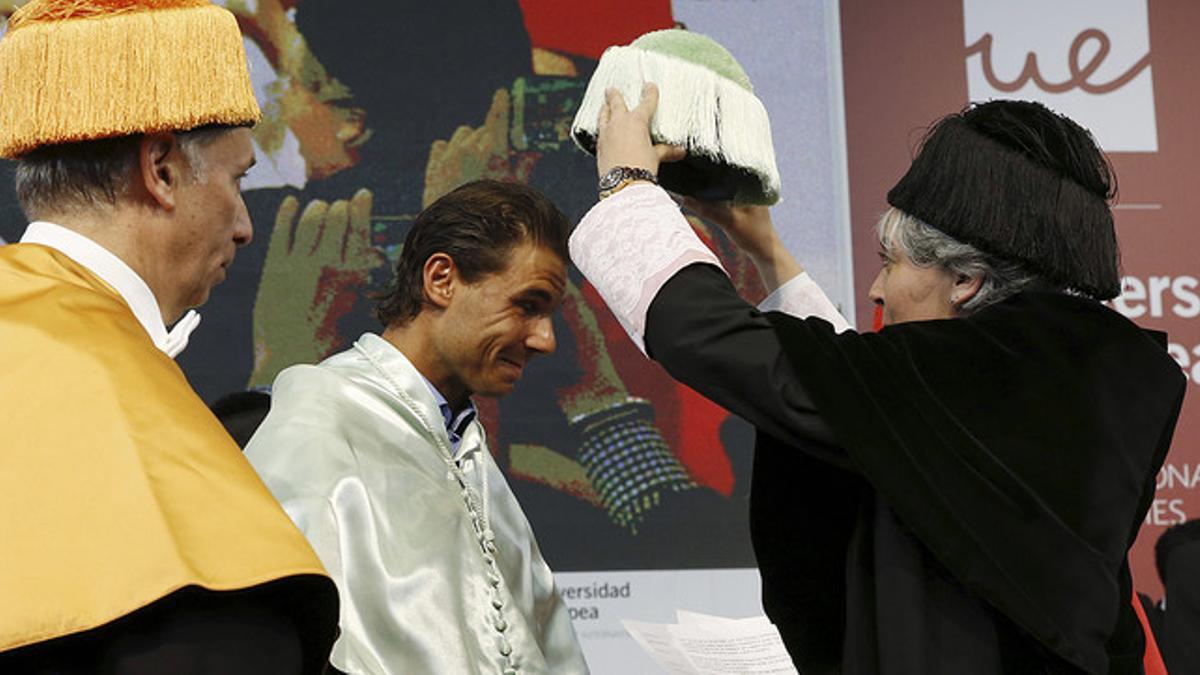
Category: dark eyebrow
<point>538,293</point>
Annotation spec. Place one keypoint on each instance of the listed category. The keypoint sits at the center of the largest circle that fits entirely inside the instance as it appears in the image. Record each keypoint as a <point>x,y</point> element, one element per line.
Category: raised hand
<point>472,153</point>
<point>316,268</point>
<point>623,138</point>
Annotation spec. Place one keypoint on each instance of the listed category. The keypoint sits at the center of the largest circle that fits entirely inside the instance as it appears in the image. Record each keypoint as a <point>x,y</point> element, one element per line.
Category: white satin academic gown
<point>356,451</point>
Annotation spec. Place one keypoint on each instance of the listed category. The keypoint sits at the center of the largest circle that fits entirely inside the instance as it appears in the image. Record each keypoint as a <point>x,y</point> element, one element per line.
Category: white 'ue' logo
<point>1090,61</point>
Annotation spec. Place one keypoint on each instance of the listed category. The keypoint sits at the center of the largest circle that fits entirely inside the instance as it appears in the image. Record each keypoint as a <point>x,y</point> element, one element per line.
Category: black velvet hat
<point>1020,182</point>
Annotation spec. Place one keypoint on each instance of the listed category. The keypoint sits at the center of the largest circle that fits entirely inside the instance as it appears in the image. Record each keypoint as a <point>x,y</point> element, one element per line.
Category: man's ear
<point>965,288</point>
<point>440,278</point>
<point>161,166</point>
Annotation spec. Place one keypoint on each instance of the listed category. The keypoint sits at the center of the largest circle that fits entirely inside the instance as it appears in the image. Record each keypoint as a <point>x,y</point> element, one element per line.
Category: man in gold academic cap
<point>135,538</point>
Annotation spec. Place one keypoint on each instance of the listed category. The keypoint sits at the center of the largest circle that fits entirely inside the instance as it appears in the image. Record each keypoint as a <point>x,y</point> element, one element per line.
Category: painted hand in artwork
<point>300,96</point>
<point>317,266</point>
<point>473,153</point>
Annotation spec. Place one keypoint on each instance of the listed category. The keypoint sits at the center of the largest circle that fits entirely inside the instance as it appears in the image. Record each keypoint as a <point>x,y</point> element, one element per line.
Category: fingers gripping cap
<point>77,70</point>
<point>706,105</point>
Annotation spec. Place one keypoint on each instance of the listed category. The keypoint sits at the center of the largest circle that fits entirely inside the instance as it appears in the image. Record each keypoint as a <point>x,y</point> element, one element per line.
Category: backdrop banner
<point>394,106</point>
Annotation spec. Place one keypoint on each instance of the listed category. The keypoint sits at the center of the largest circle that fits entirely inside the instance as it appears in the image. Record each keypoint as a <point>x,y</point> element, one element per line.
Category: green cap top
<point>699,49</point>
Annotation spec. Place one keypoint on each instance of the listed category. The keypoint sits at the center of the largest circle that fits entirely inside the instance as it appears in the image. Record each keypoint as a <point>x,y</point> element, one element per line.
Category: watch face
<point>613,178</point>
<point>619,174</point>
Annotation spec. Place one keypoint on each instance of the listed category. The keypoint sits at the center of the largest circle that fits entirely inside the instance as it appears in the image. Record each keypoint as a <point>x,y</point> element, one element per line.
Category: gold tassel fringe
<point>138,70</point>
<point>40,11</point>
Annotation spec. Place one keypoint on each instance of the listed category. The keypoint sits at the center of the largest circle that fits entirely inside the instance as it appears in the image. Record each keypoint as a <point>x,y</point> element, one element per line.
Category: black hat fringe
<point>1019,182</point>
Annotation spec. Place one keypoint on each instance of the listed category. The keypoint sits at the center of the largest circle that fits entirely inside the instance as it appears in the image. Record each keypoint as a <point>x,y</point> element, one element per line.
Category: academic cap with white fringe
<point>706,105</point>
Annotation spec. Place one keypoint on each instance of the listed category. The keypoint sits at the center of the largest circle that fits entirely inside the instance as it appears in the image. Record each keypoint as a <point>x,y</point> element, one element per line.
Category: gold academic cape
<point>117,485</point>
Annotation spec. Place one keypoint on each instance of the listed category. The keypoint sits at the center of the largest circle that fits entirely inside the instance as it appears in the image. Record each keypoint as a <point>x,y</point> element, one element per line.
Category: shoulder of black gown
<point>1019,444</point>
<point>711,339</point>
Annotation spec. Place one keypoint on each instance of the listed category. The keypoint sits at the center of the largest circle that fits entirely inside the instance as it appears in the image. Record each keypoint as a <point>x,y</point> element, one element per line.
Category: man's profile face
<point>212,220</point>
<point>492,327</point>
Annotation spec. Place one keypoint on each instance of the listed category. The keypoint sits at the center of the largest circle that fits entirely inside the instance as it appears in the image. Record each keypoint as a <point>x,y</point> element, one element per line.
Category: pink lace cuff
<point>802,297</point>
<point>629,245</point>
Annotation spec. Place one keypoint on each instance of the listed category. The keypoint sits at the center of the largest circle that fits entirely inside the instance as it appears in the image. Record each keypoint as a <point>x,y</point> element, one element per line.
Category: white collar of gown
<point>416,393</point>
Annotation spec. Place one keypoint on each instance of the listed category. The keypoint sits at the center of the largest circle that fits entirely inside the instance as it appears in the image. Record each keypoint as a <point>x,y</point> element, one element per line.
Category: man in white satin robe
<point>377,455</point>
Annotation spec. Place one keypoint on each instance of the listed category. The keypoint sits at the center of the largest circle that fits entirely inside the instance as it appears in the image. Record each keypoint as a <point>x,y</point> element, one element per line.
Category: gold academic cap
<point>77,70</point>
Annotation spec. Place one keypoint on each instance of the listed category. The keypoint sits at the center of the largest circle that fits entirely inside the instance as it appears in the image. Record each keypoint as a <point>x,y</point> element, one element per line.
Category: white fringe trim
<point>697,109</point>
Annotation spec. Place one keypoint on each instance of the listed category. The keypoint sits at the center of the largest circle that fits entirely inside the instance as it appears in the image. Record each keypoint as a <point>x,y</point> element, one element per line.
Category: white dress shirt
<point>131,287</point>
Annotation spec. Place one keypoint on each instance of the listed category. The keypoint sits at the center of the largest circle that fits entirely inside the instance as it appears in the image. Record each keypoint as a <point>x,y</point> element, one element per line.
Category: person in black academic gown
<point>958,492</point>
<point>1176,620</point>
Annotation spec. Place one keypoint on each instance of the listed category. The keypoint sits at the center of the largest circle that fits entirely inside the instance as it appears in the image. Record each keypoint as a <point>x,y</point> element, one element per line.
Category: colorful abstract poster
<point>372,110</point>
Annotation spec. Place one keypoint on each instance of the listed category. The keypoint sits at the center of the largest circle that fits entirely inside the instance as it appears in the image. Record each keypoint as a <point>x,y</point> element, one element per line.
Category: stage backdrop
<point>405,101</point>
<point>396,103</point>
<point>1126,69</point>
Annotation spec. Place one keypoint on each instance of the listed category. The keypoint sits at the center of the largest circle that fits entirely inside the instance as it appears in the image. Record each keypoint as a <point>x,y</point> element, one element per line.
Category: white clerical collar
<point>121,277</point>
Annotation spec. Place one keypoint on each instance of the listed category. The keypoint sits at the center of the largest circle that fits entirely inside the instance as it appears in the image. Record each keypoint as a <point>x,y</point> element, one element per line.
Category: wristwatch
<point>618,176</point>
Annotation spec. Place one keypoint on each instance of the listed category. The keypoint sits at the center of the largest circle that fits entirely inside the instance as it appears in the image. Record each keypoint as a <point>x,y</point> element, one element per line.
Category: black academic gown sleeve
<point>708,337</point>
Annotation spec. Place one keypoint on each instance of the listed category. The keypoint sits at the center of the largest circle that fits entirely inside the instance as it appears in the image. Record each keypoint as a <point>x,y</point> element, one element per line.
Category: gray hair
<point>925,246</point>
<point>94,173</point>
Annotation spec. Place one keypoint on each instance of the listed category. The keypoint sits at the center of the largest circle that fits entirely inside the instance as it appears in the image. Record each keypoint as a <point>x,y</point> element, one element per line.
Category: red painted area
<point>586,29</point>
<point>699,447</point>
<point>1152,660</point>
<point>336,293</point>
